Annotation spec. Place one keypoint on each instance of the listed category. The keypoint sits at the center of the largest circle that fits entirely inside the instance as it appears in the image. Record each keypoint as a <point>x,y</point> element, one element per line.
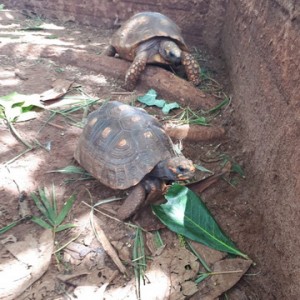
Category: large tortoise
<point>150,37</point>
<point>123,146</point>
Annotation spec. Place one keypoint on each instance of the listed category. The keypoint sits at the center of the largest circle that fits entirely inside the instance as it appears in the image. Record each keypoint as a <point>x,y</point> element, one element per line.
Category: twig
<point>18,156</point>
<point>16,134</point>
<point>67,243</point>
<point>121,93</point>
<point>102,238</point>
<point>54,125</point>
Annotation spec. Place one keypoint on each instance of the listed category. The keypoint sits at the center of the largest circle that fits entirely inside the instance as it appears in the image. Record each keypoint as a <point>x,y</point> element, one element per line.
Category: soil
<point>33,75</point>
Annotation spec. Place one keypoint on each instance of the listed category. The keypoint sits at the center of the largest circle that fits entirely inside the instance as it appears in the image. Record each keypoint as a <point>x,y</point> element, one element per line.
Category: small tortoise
<point>150,37</point>
<point>123,146</point>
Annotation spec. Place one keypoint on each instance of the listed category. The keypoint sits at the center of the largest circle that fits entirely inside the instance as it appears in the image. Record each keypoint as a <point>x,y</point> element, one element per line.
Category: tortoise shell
<point>120,144</point>
<point>142,27</point>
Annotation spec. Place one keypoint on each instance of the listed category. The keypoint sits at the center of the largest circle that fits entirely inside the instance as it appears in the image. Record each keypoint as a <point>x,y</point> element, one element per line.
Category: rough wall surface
<point>261,42</point>
<point>201,20</point>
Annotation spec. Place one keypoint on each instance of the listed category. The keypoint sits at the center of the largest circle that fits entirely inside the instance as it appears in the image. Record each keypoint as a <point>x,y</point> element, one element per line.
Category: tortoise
<point>151,37</point>
<point>123,146</point>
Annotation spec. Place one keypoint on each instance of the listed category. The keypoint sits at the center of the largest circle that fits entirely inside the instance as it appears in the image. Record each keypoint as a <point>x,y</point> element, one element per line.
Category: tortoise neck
<point>162,171</point>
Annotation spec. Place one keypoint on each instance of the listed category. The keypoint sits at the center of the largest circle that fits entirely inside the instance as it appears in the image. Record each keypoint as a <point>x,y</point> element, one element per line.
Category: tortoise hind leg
<point>110,51</point>
<point>135,70</point>
<point>132,203</point>
<point>191,66</point>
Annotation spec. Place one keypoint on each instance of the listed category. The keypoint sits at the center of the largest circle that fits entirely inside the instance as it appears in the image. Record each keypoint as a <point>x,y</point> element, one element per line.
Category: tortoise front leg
<point>109,51</point>
<point>191,66</point>
<point>132,203</point>
<point>135,70</point>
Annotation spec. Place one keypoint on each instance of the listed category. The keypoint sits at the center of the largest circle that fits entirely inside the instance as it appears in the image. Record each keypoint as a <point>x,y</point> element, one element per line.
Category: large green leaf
<point>186,214</point>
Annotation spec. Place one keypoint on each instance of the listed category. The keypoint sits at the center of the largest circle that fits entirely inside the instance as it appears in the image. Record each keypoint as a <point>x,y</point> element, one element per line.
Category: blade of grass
<point>219,106</point>
<point>70,170</point>
<point>202,277</point>
<point>39,204</point>
<point>54,204</point>
<point>139,259</point>
<point>9,226</point>
<point>158,240</point>
<point>41,222</point>
<point>67,207</point>
<point>64,226</point>
<point>51,216</point>
<point>202,261</point>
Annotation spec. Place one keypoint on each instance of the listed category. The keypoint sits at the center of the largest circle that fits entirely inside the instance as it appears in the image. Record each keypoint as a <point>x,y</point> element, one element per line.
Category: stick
<point>102,238</point>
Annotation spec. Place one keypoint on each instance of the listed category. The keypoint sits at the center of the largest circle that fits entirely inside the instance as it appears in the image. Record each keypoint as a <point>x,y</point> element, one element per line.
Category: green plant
<point>139,258</point>
<point>186,214</point>
<point>48,207</point>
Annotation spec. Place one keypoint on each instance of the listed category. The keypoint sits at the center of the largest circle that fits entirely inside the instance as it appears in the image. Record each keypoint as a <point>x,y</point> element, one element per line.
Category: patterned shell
<point>142,27</point>
<point>120,144</point>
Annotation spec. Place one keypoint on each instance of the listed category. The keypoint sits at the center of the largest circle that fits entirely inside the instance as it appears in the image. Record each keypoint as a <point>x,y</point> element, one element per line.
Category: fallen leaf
<point>29,261</point>
<point>60,88</point>
<point>227,273</point>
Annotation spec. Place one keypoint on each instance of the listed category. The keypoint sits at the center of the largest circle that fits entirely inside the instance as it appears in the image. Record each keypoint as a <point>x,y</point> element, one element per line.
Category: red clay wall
<point>200,20</point>
<point>261,41</point>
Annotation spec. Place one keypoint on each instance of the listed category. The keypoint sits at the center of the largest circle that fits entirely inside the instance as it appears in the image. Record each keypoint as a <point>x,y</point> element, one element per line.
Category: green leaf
<point>26,116</point>
<point>236,168</point>
<point>15,104</point>
<point>48,205</point>
<point>198,121</point>
<point>169,106</point>
<point>9,226</point>
<point>186,214</point>
<point>219,106</point>
<point>202,277</point>
<point>64,227</point>
<point>70,170</point>
<point>150,99</point>
<point>41,222</point>
<point>203,169</point>
<point>39,204</point>
<point>67,207</point>
<point>54,204</point>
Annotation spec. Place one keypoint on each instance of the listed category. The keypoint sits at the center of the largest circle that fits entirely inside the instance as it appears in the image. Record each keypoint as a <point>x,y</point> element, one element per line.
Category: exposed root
<point>194,133</point>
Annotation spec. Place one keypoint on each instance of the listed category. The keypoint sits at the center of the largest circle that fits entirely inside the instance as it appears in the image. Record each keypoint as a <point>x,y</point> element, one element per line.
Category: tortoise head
<point>175,168</point>
<point>170,51</point>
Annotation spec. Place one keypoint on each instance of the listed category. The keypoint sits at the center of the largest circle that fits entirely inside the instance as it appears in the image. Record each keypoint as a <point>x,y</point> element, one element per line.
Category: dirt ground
<point>33,75</point>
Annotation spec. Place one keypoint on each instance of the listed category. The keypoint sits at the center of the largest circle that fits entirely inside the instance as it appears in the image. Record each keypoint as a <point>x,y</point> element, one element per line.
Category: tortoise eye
<point>181,169</point>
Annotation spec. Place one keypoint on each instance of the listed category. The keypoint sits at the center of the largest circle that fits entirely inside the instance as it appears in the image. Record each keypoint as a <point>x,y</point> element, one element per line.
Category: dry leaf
<point>30,260</point>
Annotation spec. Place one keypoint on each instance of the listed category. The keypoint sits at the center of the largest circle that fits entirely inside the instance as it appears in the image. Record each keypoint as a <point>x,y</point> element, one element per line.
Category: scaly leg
<point>135,70</point>
<point>132,203</point>
<point>191,66</point>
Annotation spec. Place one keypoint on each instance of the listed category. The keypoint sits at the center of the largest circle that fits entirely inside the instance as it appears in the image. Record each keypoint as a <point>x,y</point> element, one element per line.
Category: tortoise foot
<point>135,70</point>
<point>109,51</point>
<point>192,67</point>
